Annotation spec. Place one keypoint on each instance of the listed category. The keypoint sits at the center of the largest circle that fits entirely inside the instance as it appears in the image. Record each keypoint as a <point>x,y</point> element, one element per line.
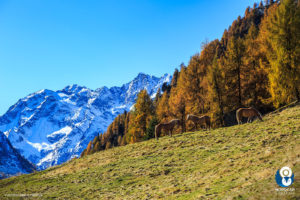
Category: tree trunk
<point>297,94</point>
<point>239,85</point>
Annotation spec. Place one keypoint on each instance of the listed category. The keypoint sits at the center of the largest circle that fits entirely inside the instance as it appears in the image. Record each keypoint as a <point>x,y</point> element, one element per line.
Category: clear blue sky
<point>54,43</point>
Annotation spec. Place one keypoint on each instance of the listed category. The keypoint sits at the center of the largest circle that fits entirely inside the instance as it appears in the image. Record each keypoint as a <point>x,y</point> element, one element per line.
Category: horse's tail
<point>238,115</point>
<point>156,132</point>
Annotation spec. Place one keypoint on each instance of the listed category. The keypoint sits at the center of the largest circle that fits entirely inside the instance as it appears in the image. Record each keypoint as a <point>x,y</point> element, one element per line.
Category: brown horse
<point>247,112</point>
<point>169,126</point>
<point>199,120</point>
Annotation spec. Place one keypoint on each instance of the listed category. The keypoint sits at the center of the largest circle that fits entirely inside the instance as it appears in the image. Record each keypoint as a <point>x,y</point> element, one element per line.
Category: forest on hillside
<point>255,63</point>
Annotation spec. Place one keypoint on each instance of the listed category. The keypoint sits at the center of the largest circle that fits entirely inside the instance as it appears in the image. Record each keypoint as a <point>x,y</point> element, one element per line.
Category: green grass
<point>237,162</point>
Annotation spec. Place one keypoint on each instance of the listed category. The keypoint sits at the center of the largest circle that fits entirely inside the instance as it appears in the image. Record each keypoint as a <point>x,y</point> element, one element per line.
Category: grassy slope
<point>236,162</point>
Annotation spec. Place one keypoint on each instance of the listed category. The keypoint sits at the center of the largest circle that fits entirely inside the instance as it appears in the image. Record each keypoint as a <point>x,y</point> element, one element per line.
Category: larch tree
<point>157,97</point>
<point>233,70</point>
<point>216,83</point>
<point>143,112</point>
<point>97,146</point>
<point>255,82</point>
<point>162,109</point>
<point>175,78</point>
<point>192,85</point>
<point>178,106</point>
<point>282,33</point>
<point>89,148</point>
<point>177,100</point>
<point>195,83</point>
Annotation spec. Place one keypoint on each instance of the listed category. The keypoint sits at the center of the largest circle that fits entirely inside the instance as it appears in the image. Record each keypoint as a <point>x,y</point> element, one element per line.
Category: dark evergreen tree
<point>150,132</point>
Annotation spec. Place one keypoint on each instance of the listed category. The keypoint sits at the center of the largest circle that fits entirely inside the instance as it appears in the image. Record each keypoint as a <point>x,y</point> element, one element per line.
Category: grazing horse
<point>169,126</point>
<point>199,120</point>
<point>247,112</point>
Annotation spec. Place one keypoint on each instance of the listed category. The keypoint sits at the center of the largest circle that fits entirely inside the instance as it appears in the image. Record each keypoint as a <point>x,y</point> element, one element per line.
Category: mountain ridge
<point>12,162</point>
<point>50,127</point>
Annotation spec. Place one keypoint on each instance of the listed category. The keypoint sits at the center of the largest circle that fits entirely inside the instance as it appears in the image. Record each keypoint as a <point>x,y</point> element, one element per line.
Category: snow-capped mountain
<point>51,127</point>
<point>11,162</point>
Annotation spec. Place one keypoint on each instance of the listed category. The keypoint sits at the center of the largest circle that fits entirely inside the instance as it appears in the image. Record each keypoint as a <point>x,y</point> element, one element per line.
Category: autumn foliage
<point>255,63</point>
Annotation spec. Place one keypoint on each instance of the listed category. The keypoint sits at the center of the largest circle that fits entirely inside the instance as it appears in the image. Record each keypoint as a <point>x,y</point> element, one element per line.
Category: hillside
<point>237,162</point>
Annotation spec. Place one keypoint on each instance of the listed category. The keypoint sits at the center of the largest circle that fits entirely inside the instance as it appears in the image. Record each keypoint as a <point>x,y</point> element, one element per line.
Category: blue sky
<point>54,43</point>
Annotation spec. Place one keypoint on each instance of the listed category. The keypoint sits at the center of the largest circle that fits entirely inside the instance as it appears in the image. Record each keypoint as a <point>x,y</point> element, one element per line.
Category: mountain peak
<point>142,74</point>
<point>55,126</point>
<point>73,88</point>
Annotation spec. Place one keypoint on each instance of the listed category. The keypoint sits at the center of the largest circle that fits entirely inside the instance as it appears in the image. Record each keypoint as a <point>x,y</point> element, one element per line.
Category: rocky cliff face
<point>11,162</point>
